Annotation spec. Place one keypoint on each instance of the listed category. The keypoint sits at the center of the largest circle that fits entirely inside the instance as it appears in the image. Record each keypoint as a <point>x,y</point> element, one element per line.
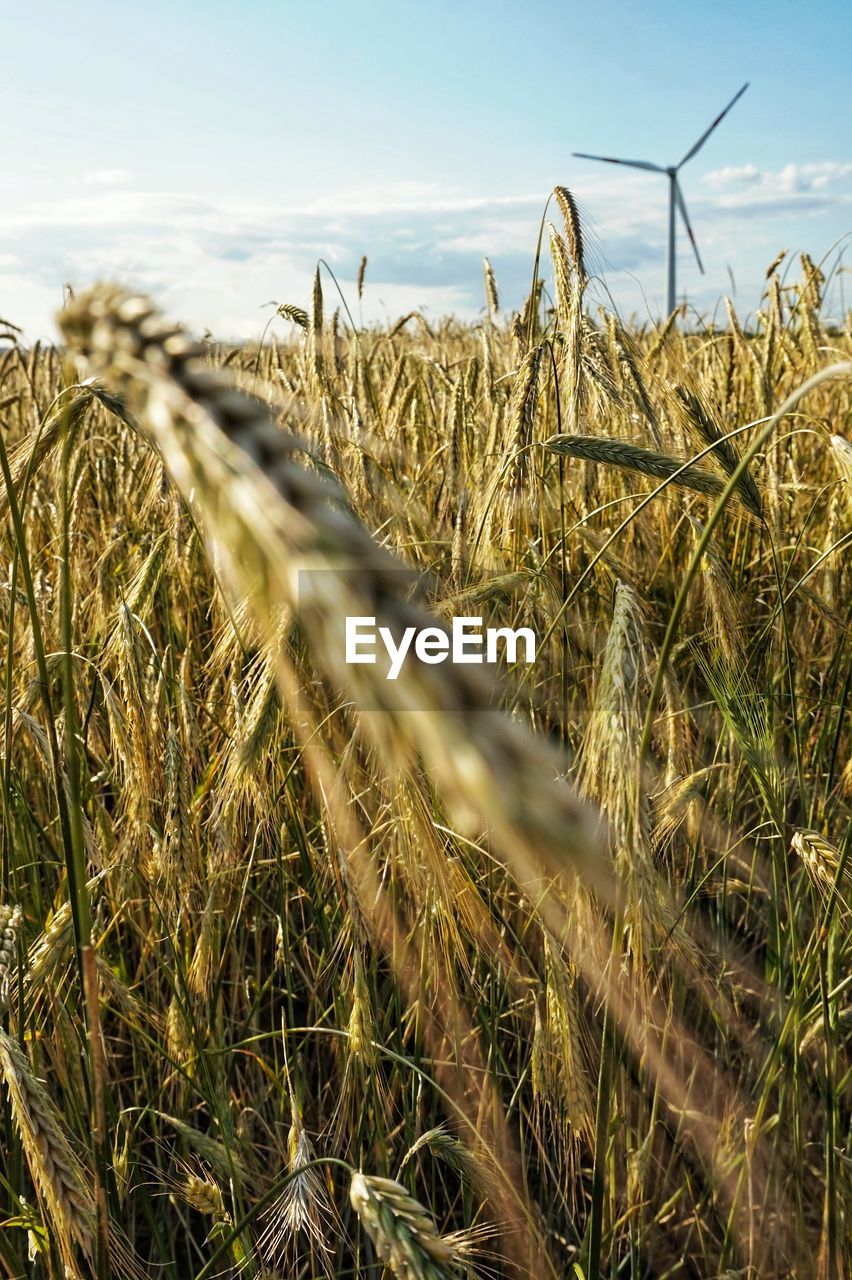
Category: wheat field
<point>546,973</point>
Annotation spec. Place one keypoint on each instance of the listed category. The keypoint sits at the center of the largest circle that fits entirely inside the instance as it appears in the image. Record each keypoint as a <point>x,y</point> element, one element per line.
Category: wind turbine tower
<point>676,200</point>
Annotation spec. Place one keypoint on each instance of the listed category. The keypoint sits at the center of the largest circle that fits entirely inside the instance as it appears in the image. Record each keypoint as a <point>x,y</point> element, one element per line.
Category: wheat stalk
<point>10,922</point>
<point>204,1196</point>
<point>302,1208</point>
<point>275,518</point>
<point>631,457</point>
<point>723,449</point>
<point>573,228</point>
<point>64,1186</point>
<point>821,859</point>
<point>402,1230</point>
<point>492,298</point>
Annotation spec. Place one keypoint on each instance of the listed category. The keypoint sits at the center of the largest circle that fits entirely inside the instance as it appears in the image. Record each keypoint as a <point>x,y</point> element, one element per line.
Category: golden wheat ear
<point>62,1183</point>
<point>274,518</point>
<point>10,922</point>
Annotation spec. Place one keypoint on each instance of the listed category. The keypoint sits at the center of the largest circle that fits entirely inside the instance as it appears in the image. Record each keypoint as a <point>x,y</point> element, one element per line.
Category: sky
<point>212,153</point>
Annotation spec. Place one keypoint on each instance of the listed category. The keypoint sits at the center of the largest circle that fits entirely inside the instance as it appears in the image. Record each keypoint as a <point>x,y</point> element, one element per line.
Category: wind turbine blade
<point>706,134</point>
<point>634,164</point>
<point>681,204</point>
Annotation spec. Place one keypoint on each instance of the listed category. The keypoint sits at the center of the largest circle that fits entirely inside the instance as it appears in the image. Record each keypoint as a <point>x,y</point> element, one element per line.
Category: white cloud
<point>107,177</point>
<point>214,261</point>
<point>731,175</point>
<point>786,181</point>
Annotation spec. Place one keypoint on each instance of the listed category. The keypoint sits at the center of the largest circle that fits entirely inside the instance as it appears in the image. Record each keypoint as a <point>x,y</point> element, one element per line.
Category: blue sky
<point>212,153</point>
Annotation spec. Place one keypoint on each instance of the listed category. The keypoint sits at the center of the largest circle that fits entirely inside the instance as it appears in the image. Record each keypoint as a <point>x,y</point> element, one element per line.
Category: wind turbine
<point>675,193</point>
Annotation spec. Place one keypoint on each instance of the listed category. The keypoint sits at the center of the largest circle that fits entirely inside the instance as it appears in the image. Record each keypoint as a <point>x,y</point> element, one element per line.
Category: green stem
<point>602,1113</point>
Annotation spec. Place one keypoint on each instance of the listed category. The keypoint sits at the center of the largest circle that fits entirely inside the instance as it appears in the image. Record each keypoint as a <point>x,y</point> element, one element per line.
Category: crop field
<point>535,969</point>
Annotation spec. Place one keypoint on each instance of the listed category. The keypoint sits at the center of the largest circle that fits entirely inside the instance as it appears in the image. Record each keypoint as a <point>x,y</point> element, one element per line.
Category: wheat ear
<point>401,1229</point>
<point>10,921</point>
<point>631,457</point>
<point>57,1173</point>
<point>276,518</point>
